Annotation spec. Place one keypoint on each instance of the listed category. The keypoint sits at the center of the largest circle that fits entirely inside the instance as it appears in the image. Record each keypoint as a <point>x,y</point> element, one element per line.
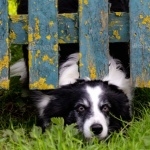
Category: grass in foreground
<point>58,137</point>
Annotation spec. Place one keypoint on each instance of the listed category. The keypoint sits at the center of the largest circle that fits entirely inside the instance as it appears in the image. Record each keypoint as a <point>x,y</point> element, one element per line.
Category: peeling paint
<point>116,34</point>
<point>47,58</point>
<point>80,62</point>
<point>30,58</point>
<point>141,83</point>
<point>12,35</point>
<point>37,35</point>
<point>55,47</point>
<point>51,23</point>
<point>92,71</point>
<point>25,27</point>
<point>17,18</point>
<point>4,84</point>
<point>118,14</point>
<point>48,37</point>
<point>61,41</point>
<point>41,85</point>
<point>86,2</point>
<point>146,21</point>
<point>4,62</point>
<point>37,53</point>
<point>104,20</point>
<point>68,15</point>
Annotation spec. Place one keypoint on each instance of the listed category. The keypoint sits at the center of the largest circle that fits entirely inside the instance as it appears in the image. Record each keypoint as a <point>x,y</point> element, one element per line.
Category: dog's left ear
<point>68,71</point>
<point>117,77</point>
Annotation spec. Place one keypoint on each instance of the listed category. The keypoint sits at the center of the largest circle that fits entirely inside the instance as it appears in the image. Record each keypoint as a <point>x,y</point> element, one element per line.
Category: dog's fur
<point>98,107</point>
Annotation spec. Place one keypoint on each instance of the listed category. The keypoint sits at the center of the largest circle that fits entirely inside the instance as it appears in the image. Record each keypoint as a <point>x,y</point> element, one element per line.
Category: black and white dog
<point>97,107</point>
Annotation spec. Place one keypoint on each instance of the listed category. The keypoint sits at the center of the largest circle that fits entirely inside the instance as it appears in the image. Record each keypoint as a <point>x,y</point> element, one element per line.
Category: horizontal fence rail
<point>68,28</point>
<point>92,27</point>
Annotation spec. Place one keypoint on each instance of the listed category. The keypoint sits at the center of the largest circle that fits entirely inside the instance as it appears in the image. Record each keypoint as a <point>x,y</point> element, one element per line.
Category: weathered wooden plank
<point>140,42</point>
<point>43,44</point>
<point>68,28</point>
<point>93,38</point>
<point>4,54</point>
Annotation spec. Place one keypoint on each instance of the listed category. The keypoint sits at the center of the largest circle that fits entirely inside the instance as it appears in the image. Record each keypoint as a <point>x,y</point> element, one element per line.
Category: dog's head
<point>97,107</point>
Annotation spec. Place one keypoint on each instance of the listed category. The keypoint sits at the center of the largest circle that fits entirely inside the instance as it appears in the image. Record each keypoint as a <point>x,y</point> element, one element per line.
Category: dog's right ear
<point>68,71</point>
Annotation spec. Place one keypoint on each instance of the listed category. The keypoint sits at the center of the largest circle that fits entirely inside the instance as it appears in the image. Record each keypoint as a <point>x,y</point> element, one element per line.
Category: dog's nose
<point>96,129</point>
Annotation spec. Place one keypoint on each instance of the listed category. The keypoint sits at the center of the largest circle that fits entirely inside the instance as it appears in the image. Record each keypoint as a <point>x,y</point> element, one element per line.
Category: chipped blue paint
<point>140,42</point>
<point>4,54</point>
<point>93,38</point>
<point>43,43</point>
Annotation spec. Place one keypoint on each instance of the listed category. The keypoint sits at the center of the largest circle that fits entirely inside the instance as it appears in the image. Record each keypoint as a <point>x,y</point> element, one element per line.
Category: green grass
<point>18,132</point>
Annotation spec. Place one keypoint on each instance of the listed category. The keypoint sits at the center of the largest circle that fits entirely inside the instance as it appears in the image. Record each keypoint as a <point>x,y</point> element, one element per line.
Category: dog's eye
<point>81,109</point>
<point>105,108</point>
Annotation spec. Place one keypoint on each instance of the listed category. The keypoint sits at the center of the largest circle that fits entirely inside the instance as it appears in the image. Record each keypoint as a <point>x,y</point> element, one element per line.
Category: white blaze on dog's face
<point>91,113</point>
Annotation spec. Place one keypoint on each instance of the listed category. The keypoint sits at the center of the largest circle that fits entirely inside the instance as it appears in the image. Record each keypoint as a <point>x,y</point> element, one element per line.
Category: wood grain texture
<point>4,54</point>
<point>43,44</point>
<point>140,42</point>
<point>93,38</point>
<point>68,28</point>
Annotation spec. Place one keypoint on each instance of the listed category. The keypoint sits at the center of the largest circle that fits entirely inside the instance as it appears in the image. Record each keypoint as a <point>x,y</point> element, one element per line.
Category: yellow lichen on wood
<point>141,83</point>
<point>46,58</point>
<point>37,35</point>
<point>12,35</point>
<point>37,53</point>
<point>118,14</point>
<point>67,15</point>
<point>17,18</point>
<point>55,47</point>
<point>48,37</point>
<point>92,71</point>
<point>86,2</point>
<point>51,23</point>
<point>116,34</point>
<point>41,85</point>
<point>80,7</point>
<point>80,58</point>
<point>4,84</point>
<point>25,27</point>
<point>61,41</point>
<point>146,20</point>
<point>30,58</point>
<point>4,62</point>
<point>30,37</point>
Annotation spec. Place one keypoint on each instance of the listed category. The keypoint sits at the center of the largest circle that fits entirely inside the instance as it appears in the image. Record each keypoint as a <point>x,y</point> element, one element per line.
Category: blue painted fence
<point>93,27</point>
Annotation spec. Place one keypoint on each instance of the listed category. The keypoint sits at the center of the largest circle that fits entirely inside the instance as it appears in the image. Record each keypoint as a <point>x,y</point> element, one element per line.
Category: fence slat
<point>4,54</point>
<point>140,42</point>
<point>93,38</point>
<point>43,44</point>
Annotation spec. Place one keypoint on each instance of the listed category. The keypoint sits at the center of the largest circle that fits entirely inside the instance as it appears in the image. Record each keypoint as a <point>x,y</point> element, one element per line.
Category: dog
<point>98,107</point>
